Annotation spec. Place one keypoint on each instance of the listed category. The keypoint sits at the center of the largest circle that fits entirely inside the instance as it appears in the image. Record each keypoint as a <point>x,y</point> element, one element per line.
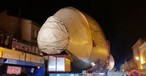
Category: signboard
<point>13,70</point>
<point>134,73</point>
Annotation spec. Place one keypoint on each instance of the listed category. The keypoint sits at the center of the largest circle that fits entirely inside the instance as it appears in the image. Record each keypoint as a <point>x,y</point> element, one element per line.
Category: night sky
<point>123,21</point>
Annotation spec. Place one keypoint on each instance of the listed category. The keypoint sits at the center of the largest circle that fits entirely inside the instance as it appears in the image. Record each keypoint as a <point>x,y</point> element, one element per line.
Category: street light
<point>137,58</point>
<point>123,70</point>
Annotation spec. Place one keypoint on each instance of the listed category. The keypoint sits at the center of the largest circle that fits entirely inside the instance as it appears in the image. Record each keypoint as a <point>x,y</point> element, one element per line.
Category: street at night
<point>122,36</point>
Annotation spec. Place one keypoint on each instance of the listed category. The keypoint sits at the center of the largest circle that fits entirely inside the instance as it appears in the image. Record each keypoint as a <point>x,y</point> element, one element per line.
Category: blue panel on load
<point>18,62</point>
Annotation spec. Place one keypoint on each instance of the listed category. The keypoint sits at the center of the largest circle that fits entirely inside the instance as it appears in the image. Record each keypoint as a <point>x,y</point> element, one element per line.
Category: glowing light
<point>92,64</point>
<point>123,70</point>
<point>102,74</point>
<point>137,58</point>
<point>38,67</point>
<point>142,60</point>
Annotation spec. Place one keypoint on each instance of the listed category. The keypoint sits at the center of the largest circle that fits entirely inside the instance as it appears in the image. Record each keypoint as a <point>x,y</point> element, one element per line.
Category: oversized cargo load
<point>78,34</point>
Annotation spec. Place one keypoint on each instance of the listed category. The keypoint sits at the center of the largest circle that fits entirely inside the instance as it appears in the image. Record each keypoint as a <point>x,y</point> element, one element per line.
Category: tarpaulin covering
<point>53,36</point>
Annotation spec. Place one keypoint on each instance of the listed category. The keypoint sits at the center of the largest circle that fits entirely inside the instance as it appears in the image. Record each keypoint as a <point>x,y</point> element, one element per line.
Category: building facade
<point>139,52</point>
